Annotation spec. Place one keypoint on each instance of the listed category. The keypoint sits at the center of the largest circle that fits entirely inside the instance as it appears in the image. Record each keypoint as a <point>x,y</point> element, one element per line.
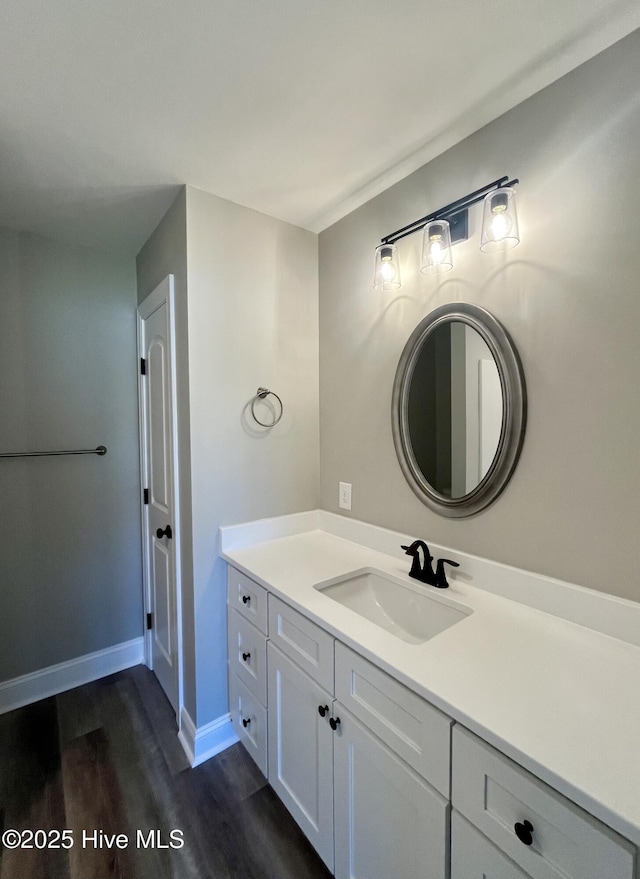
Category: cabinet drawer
<point>248,598</point>
<point>474,857</point>
<point>249,721</point>
<point>411,727</point>
<point>494,793</point>
<point>248,655</point>
<point>301,640</point>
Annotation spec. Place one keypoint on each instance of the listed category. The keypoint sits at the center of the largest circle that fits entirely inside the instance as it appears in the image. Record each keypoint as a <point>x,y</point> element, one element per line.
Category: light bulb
<point>499,227</point>
<point>387,270</point>
<point>436,252</point>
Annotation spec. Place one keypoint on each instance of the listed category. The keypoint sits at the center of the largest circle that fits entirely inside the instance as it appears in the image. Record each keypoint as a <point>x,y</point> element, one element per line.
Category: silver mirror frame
<point>514,410</point>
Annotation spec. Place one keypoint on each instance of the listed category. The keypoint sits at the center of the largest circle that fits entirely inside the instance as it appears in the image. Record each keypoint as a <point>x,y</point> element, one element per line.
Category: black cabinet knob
<point>322,710</point>
<point>524,832</point>
<point>166,533</point>
<point>333,722</point>
<point>246,599</point>
<point>246,721</point>
<point>245,656</point>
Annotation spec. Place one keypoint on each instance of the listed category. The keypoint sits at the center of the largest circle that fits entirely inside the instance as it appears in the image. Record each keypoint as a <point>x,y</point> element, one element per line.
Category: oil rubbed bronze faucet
<point>424,572</point>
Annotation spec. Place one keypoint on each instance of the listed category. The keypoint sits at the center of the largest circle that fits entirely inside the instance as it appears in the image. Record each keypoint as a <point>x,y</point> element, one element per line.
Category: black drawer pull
<point>245,656</point>
<point>333,722</point>
<point>246,599</point>
<point>160,533</point>
<point>524,832</point>
<point>246,721</point>
<point>322,710</point>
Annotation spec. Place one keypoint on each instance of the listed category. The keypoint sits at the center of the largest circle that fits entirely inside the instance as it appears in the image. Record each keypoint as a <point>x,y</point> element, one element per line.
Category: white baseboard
<point>66,675</point>
<point>202,743</point>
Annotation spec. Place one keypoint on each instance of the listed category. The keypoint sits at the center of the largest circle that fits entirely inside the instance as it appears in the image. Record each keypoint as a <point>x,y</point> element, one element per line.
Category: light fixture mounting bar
<point>448,210</point>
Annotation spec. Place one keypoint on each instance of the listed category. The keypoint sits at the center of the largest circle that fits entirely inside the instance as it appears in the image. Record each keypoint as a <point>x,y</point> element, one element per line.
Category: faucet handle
<point>441,577</point>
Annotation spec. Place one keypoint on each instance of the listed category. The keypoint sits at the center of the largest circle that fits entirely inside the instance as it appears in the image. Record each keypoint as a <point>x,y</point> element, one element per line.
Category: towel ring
<point>261,394</point>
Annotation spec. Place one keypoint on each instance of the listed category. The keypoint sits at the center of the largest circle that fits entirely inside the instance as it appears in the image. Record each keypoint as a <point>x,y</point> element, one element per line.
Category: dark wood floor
<point>105,757</point>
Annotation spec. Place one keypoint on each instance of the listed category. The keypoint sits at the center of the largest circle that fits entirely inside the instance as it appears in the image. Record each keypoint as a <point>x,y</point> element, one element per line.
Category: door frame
<point>164,292</point>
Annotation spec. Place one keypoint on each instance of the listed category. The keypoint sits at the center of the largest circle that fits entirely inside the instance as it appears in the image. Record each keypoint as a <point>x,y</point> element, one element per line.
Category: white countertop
<point>560,699</point>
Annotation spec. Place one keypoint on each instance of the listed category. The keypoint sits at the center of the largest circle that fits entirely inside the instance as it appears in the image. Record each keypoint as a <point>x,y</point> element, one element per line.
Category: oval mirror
<point>458,409</point>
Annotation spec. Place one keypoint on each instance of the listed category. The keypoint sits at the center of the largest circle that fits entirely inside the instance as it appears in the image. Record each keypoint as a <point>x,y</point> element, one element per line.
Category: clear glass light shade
<point>387,269</point>
<point>436,247</point>
<point>500,220</point>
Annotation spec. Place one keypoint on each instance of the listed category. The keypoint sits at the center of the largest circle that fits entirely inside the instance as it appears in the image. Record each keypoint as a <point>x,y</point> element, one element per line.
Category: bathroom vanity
<point>496,740</point>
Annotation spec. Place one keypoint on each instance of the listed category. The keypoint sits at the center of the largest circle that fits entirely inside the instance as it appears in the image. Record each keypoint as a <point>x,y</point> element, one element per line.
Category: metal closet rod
<point>100,450</point>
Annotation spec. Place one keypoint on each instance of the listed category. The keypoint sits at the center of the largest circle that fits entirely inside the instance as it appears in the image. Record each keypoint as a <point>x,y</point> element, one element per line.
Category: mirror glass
<point>459,409</point>
<point>454,409</point>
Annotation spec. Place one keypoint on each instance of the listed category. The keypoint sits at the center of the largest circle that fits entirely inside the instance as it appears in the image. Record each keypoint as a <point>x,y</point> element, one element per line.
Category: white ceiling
<point>302,109</point>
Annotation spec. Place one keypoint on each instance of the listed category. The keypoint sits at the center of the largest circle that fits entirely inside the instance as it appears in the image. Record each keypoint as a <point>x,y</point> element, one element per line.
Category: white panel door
<point>158,469</point>
<point>388,821</point>
<point>300,743</point>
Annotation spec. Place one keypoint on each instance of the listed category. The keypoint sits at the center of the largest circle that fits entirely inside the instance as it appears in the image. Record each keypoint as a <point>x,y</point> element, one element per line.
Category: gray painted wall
<point>70,561</point>
<point>247,309</point>
<point>568,295</point>
<point>253,320</point>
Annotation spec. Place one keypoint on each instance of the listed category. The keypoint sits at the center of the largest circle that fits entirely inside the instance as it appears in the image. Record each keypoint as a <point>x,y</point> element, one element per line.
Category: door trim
<point>164,292</point>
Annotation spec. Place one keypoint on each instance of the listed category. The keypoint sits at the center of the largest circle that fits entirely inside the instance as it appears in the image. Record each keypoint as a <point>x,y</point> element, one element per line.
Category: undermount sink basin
<point>394,604</point>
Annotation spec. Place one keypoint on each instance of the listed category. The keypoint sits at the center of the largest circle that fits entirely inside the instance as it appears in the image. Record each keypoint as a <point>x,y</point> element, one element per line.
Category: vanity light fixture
<point>449,224</point>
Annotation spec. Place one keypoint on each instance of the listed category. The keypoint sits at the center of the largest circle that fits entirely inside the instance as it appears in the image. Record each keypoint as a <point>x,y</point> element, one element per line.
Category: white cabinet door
<point>301,750</point>
<point>388,821</point>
